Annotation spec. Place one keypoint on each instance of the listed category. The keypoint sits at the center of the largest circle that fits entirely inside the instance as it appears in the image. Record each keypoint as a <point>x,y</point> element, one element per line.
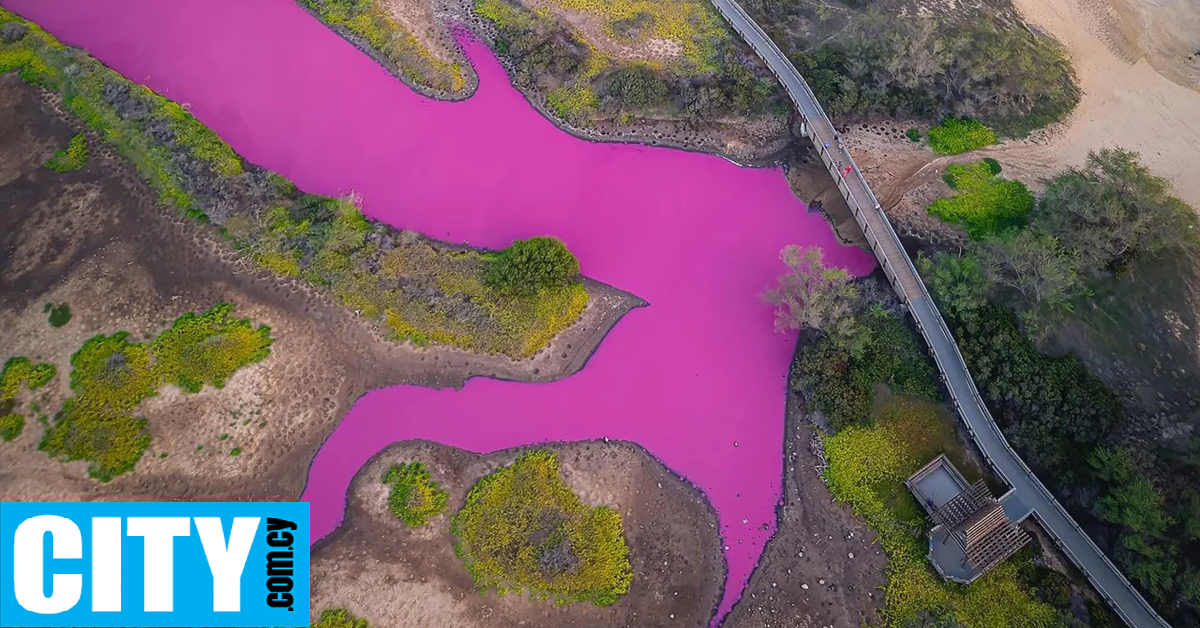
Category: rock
<point>13,31</point>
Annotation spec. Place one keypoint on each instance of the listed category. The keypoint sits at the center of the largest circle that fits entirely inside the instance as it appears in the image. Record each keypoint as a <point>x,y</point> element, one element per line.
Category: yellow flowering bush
<point>414,497</point>
<point>524,530</point>
<point>110,376</point>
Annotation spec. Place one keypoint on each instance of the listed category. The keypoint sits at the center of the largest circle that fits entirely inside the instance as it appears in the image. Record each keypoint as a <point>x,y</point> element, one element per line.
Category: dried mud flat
<point>379,568</point>
<point>97,240</point>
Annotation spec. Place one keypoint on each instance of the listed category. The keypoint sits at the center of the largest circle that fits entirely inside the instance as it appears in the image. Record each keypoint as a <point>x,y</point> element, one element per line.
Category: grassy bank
<point>416,288</point>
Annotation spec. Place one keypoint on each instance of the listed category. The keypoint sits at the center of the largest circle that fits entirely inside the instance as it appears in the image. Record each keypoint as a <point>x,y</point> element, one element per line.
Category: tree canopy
<point>811,294</point>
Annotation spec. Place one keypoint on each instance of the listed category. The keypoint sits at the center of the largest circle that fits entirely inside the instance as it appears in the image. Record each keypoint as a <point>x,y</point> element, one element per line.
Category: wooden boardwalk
<point>1028,495</point>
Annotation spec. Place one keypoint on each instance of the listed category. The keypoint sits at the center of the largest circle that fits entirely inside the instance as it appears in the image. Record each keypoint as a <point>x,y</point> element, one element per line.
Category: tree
<point>532,265</point>
<point>1135,504</point>
<point>958,283</point>
<point>814,295</point>
<point>1112,210</point>
<point>1031,264</point>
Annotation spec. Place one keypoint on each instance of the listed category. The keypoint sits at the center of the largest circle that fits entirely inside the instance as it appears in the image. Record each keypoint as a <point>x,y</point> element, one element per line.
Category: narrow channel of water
<point>698,378</point>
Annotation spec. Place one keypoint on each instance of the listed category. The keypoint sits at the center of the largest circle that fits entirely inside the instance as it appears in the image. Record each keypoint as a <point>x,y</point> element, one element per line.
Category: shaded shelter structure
<point>972,532</point>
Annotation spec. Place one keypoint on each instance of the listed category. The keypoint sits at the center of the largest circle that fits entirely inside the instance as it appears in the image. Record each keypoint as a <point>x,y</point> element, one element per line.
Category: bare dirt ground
<point>379,568</point>
<point>1166,33</point>
<point>824,567</point>
<point>421,19</point>
<point>96,240</point>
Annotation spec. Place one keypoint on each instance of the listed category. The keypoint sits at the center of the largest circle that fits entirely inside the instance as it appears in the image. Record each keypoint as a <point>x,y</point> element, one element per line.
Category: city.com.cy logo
<point>149,564</point>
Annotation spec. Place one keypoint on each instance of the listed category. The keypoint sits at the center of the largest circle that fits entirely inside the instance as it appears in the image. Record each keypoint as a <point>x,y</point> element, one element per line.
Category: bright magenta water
<point>697,378</point>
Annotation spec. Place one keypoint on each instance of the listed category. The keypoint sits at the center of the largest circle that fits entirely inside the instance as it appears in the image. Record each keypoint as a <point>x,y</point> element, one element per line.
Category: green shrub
<point>993,165</point>
<point>20,371</point>
<point>414,497</point>
<point>522,529</point>
<point>913,134</point>
<point>59,314</point>
<point>959,135</point>
<point>73,157</point>
<point>1051,409</point>
<point>208,348</point>
<point>985,205</point>
<point>637,89</point>
<point>529,266</point>
<point>11,426</point>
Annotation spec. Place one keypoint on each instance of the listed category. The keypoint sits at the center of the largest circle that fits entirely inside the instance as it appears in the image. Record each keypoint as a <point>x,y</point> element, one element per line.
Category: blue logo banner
<point>156,565</point>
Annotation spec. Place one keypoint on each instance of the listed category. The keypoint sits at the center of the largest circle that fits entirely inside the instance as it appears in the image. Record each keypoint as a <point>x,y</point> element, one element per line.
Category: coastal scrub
<point>73,157</point>
<point>523,530</point>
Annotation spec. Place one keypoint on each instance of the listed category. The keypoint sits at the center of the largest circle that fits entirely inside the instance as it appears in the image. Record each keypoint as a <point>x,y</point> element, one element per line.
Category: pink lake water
<point>697,378</point>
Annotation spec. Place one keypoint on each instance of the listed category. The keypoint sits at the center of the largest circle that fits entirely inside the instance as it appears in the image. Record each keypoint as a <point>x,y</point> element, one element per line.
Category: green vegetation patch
<point>414,497</point>
<point>867,469</point>
<point>959,135</point>
<point>11,426</point>
<point>21,371</point>
<point>73,157</point>
<point>208,348</point>
<point>524,530</point>
<point>839,384</point>
<point>418,289</point>
<point>986,204</point>
<point>339,618</point>
<point>110,376</point>
<point>59,314</point>
<point>371,23</point>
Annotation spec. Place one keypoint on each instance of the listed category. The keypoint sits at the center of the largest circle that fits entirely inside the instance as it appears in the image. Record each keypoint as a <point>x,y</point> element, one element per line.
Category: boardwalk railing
<point>1108,581</point>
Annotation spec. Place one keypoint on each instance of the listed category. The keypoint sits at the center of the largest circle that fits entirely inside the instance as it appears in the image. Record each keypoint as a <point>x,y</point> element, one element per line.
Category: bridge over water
<point>1027,496</point>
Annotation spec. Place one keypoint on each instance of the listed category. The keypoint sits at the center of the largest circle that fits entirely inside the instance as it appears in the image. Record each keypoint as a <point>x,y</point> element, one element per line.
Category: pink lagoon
<point>698,378</point>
